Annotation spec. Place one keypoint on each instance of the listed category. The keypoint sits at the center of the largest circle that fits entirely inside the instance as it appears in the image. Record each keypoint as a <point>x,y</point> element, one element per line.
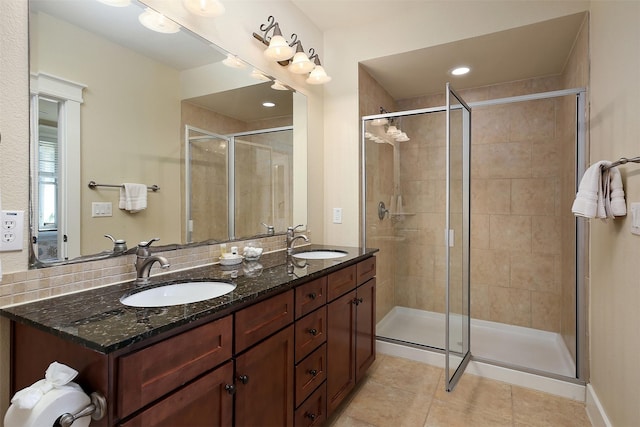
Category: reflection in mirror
<point>245,178</point>
<point>121,97</point>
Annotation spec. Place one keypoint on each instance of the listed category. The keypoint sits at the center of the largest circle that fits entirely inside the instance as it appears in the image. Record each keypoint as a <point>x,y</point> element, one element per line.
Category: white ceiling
<point>530,51</point>
<point>535,50</point>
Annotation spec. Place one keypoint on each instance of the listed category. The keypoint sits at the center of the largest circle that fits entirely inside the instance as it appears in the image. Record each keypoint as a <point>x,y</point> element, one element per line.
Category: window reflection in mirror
<point>48,181</point>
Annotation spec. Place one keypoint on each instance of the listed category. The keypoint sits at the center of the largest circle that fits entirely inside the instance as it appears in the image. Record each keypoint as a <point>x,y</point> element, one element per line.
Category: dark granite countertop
<point>98,320</point>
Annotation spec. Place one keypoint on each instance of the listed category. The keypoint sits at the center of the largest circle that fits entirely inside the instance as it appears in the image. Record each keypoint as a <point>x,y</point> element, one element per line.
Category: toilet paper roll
<point>69,398</point>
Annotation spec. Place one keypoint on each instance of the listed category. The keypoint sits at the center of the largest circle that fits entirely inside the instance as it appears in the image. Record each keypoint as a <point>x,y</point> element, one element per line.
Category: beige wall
<point>615,253</point>
<point>121,141</point>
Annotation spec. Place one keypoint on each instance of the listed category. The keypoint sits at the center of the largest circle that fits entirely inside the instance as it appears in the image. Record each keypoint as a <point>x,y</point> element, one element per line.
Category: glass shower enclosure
<point>435,232</point>
<point>236,183</point>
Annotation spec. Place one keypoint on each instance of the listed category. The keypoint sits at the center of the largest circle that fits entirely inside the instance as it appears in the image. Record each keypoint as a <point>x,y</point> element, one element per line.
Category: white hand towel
<point>618,204</point>
<point>589,201</point>
<point>133,197</point>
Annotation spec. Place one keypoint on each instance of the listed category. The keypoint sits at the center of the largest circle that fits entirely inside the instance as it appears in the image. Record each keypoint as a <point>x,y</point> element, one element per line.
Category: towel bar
<point>622,161</point>
<point>93,185</point>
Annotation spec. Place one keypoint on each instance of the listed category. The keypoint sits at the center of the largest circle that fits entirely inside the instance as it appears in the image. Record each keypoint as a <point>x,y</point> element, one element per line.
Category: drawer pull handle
<point>230,388</point>
<point>313,295</point>
<point>243,379</point>
<point>310,416</point>
<point>313,331</point>
<point>313,372</point>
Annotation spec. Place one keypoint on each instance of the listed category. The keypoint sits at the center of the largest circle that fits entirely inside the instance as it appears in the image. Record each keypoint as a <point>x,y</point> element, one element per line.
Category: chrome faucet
<point>144,261</point>
<point>291,237</point>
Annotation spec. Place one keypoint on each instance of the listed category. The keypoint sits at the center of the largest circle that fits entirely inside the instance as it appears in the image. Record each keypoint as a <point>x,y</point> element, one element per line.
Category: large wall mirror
<point>114,103</point>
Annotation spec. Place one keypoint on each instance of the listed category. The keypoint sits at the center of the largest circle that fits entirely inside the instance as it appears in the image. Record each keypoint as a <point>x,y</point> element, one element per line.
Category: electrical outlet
<point>337,215</point>
<point>11,230</point>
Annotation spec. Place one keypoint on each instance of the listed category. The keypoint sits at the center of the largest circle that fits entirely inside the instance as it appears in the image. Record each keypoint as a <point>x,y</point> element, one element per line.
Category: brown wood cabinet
<point>150,373</point>
<point>350,333</point>
<point>203,403</point>
<point>288,360</point>
<point>264,382</point>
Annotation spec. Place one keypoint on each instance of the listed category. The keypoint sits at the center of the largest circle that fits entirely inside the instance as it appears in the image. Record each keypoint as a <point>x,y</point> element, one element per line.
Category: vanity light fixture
<point>277,85</point>
<point>277,47</point>
<point>206,8</point>
<point>298,62</point>
<point>460,71</point>
<point>233,61</point>
<point>379,122</point>
<point>158,22</point>
<point>389,133</point>
<point>258,75</point>
<point>318,76</point>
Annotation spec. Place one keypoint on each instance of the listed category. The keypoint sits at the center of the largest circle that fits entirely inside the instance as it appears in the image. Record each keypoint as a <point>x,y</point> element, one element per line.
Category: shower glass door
<point>457,237</point>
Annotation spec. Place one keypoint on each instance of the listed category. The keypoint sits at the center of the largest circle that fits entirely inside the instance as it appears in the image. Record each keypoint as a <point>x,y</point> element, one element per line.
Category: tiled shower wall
<point>523,184</point>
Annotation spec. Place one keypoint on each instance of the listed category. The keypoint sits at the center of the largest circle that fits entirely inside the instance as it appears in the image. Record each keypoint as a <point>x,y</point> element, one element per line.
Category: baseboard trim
<point>595,411</point>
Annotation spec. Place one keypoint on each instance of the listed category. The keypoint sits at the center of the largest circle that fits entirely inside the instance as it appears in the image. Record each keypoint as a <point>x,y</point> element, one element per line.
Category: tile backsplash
<point>25,286</point>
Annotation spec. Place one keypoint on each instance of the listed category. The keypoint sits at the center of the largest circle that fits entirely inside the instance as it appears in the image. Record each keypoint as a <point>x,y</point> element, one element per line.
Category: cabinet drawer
<point>205,402</point>
<point>310,373</point>
<point>365,270</point>
<point>341,282</point>
<point>262,319</point>
<point>152,372</point>
<point>311,331</point>
<point>310,296</point>
<point>313,411</point>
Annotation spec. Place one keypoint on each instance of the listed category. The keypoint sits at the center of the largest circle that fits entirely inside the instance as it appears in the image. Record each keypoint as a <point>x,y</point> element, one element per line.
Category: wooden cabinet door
<point>341,346</point>
<point>264,382</point>
<point>365,327</point>
<point>204,402</point>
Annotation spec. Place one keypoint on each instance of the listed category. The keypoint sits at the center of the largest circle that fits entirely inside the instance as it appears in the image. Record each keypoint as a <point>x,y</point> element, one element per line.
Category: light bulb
<point>300,64</point>
<point>279,49</point>
<point>318,76</point>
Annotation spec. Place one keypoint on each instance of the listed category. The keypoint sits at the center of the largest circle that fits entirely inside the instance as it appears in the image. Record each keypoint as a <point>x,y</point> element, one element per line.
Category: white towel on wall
<point>133,197</point>
<point>600,193</point>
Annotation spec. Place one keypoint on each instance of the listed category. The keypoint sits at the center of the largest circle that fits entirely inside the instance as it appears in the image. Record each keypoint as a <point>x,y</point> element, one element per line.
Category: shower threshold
<point>491,341</point>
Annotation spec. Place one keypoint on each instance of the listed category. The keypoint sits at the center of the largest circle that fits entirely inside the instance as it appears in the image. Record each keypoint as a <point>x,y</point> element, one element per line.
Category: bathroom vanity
<point>284,348</point>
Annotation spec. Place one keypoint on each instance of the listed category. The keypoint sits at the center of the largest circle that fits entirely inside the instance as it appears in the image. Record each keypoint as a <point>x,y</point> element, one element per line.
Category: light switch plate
<point>337,215</point>
<point>635,218</point>
<point>99,209</point>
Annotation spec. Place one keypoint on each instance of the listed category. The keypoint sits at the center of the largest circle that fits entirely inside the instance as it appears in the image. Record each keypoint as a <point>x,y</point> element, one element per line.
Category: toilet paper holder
<point>97,409</point>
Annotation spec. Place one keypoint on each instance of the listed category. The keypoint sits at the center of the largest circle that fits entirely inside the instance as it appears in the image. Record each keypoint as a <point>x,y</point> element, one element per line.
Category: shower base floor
<point>511,345</point>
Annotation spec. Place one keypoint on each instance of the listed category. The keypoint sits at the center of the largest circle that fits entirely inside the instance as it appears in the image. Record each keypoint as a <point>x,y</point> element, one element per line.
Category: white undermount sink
<point>178,293</point>
<point>321,254</point>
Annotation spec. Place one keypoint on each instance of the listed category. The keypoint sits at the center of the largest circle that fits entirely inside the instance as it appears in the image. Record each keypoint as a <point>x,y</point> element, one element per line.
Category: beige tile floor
<point>402,393</point>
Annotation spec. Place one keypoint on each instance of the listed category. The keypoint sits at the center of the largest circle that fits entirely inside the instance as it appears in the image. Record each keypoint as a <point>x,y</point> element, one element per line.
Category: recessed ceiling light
<point>460,71</point>
<point>268,104</point>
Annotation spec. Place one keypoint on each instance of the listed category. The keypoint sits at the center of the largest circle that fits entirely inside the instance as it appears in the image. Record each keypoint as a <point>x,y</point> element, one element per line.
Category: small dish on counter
<point>229,259</point>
